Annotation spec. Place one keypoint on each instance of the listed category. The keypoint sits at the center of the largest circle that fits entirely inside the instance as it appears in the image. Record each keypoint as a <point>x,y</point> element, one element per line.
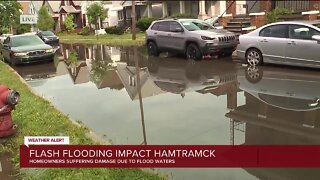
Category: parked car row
<point>290,43</point>
<point>29,47</point>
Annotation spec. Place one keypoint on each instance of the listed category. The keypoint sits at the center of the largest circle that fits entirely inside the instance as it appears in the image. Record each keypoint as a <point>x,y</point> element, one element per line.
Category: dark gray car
<point>192,37</point>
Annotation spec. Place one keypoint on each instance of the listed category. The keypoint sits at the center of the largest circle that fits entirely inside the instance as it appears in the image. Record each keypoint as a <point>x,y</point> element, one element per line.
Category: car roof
<point>178,19</point>
<point>299,22</point>
<point>22,35</point>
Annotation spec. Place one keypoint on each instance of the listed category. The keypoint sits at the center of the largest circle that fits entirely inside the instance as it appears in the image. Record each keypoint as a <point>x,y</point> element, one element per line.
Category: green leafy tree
<point>9,15</point>
<point>68,22</point>
<point>95,12</point>
<point>45,21</point>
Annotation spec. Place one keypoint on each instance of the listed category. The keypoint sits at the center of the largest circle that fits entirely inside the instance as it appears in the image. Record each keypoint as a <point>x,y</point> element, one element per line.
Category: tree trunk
<point>133,18</point>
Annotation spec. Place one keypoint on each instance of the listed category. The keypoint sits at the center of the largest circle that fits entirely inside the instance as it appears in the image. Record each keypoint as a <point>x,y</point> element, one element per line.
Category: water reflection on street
<point>131,98</point>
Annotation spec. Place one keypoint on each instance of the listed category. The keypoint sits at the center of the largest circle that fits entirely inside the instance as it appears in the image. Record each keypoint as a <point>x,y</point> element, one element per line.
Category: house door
<point>240,7</point>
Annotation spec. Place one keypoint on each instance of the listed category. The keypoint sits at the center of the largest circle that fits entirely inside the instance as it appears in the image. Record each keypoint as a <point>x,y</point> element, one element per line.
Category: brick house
<point>59,10</point>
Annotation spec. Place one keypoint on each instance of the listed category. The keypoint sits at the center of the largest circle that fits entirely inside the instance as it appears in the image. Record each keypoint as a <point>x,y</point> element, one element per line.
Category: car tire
<point>253,74</point>
<point>254,57</point>
<point>193,52</point>
<point>152,48</point>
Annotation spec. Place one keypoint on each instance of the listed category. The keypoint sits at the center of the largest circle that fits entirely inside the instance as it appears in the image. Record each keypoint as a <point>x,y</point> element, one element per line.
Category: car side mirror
<point>178,29</point>
<point>317,38</point>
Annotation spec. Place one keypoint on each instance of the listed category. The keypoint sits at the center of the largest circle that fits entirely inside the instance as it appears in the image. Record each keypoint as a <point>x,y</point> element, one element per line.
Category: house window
<point>120,15</point>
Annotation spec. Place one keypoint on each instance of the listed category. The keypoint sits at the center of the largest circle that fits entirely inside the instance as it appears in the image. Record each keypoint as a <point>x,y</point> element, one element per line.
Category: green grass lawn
<point>109,39</point>
<point>35,116</point>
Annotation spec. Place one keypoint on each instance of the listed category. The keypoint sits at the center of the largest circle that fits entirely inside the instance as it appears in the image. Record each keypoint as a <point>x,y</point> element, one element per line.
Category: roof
<point>77,3</point>
<point>69,9</point>
<point>25,7</point>
<point>55,5</point>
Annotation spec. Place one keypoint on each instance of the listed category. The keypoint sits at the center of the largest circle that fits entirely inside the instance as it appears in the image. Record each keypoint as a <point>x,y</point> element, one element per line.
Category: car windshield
<point>26,40</point>
<point>195,25</point>
<point>47,33</point>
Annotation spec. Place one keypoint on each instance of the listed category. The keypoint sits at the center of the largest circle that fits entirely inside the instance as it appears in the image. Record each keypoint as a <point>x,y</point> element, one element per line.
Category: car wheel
<point>253,74</point>
<point>152,49</point>
<point>193,52</point>
<point>254,57</point>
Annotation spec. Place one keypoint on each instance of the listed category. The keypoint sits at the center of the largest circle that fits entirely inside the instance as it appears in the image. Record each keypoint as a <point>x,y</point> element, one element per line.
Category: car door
<point>162,34</point>
<point>301,48</point>
<point>272,42</point>
<point>176,38</point>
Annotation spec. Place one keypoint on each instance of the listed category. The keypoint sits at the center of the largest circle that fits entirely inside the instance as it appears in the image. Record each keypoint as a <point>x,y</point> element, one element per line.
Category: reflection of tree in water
<point>72,60</point>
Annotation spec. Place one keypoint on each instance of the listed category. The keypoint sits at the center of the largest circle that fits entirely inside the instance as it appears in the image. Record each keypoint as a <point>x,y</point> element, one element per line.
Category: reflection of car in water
<point>178,76</point>
<point>289,89</point>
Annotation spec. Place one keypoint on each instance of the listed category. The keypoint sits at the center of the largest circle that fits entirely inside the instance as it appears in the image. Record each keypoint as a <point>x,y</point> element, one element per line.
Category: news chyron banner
<point>54,152</point>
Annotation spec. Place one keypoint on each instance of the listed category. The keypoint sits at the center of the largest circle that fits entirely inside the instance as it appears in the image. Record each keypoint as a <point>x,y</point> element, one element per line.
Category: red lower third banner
<point>127,156</point>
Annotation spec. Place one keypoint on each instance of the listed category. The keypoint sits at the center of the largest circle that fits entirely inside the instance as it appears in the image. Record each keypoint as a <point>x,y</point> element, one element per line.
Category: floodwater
<point>130,98</point>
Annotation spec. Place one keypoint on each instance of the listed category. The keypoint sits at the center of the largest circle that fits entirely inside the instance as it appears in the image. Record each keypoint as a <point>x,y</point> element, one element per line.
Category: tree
<point>68,22</point>
<point>96,12</point>
<point>9,15</point>
<point>45,21</point>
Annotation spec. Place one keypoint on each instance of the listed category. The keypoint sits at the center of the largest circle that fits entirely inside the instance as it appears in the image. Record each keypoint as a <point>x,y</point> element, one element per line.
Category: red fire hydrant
<point>8,100</point>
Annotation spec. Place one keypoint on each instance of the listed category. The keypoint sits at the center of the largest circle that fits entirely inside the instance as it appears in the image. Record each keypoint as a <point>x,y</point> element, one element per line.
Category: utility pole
<point>133,19</point>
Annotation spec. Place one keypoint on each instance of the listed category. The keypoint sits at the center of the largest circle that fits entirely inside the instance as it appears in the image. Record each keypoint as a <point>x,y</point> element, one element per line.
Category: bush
<point>144,23</point>
<point>68,22</point>
<point>23,28</point>
<point>114,30</point>
<point>183,16</point>
<point>85,31</point>
<point>273,16</point>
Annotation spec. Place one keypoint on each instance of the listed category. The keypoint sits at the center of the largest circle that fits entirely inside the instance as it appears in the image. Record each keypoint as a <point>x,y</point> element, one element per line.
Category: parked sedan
<point>292,43</point>
<point>49,38</point>
<point>20,49</point>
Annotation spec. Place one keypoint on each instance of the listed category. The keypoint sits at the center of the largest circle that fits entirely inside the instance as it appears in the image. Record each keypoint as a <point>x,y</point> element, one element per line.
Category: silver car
<point>192,37</point>
<point>292,43</point>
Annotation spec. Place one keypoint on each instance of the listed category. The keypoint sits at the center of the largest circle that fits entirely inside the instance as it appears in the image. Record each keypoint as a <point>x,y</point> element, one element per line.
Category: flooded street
<point>129,98</point>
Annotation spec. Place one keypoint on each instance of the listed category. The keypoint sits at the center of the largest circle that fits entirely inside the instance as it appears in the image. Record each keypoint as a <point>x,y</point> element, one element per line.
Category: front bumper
<point>31,59</point>
<point>211,49</point>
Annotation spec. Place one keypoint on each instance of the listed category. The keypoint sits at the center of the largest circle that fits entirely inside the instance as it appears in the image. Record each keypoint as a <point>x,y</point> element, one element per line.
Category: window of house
<point>302,32</point>
<point>277,31</point>
<point>120,15</point>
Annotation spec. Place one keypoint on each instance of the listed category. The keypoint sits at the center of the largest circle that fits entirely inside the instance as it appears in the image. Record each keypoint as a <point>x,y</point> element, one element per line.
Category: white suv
<point>192,37</point>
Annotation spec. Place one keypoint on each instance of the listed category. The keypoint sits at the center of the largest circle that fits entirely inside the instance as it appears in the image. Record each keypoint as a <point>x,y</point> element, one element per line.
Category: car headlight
<point>49,50</point>
<point>46,39</point>
<point>207,38</point>
<point>20,54</point>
